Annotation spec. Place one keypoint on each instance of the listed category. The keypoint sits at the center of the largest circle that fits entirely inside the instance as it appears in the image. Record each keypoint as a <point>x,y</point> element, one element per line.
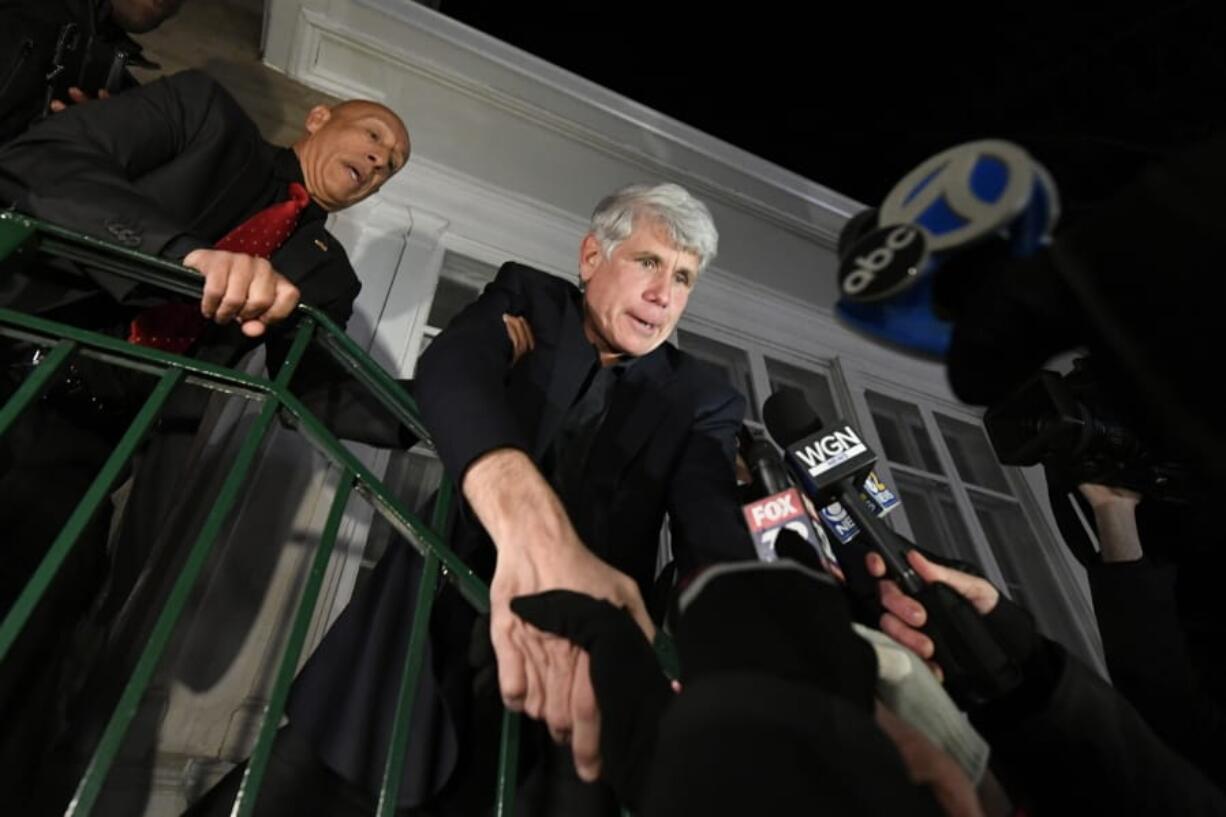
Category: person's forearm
<point>1117,532</point>
<point>516,505</point>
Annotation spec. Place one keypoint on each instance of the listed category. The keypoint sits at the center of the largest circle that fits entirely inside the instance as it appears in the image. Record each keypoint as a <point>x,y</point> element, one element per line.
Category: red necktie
<point>174,327</point>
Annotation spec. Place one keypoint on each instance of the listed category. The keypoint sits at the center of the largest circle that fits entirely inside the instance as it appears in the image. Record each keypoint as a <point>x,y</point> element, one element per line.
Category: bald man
<point>170,169</point>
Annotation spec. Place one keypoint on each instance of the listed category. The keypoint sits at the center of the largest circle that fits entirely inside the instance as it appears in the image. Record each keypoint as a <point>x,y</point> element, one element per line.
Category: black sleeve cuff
<point>178,247</point>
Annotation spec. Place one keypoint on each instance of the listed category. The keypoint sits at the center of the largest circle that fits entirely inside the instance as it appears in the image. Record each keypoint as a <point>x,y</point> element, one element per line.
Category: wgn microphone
<point>874,494</point>
<point>831,463</point>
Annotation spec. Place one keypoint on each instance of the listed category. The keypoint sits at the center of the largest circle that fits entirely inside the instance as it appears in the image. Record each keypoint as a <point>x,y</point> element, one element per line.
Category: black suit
<point>666,446</point>
<point>163,169</point>
<point>1078,747</point>
<point>166,169</point>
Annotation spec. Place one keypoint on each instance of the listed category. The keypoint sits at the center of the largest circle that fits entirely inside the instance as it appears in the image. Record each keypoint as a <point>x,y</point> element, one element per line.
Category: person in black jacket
<point>569,457</point>
<point>168,169</point>
<point>1149,637</point>
<point>54,53</point>
<point>774,713</point>
<point>1135,280</point>
<point>1063,742</point>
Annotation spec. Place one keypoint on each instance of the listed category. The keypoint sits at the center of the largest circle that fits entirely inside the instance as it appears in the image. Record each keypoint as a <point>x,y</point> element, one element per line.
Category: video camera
<point>1071,425</point>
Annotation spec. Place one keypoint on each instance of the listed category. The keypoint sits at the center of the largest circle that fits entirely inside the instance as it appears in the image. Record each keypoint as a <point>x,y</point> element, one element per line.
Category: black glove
<point>631,690</point>
<point>1041,662</point>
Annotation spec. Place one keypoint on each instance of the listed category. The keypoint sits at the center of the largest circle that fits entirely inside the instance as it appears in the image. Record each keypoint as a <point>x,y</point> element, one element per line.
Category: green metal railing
<point>24,236</point>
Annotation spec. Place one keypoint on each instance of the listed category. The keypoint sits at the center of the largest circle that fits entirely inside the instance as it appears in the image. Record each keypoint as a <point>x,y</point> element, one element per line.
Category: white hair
<point>686,219</point>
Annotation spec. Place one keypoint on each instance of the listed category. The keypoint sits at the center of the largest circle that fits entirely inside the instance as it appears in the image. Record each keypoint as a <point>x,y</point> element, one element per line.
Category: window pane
<point>972,454</point>
<point>1028,575</point>
<point>734,362</point>
<point>935,521</point>
<point>814,386</point>
<point>460,282</point>
<point>1007,534</point>
<point>902,433</point>
<point>414,476</point>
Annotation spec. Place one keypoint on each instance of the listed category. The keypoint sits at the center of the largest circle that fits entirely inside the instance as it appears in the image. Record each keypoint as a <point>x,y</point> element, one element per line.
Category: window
<point>935,522</point>
<point>972,454</point>
<point>460,281</point>
<point>957,500</point>
<point>415,475</point>
<point>970,509</point>
<point>1025,566</point>
<point>734,363</point>
<point>904,440</point>
<point>814,386</point>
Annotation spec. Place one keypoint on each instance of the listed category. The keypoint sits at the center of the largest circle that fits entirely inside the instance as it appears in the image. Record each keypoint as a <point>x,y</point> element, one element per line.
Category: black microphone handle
<point>881,537</point>
<point>977,670</point>
<point>767,468</point>
<point>773,480</point>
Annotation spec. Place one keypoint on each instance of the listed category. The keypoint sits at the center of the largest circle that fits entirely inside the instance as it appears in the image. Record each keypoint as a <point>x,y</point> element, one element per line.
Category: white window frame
<point>848,384</point>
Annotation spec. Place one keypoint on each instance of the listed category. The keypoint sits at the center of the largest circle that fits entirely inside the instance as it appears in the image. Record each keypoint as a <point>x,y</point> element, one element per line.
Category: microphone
<point>877,499</point>
<point>975,203</point>
<point>876,496</point>
<point>829,464</point>
<point>769,475</point>
<point>781,509</point>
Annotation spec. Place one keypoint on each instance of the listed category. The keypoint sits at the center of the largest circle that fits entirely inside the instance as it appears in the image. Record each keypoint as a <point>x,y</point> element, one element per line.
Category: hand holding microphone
<point>830,464</point>
<point>904,615</point>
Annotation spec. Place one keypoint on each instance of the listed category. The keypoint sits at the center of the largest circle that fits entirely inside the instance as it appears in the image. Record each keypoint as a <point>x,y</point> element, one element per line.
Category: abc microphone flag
<point>974,195</point>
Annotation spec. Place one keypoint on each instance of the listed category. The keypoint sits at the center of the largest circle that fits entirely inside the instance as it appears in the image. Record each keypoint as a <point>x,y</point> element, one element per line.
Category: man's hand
<point>631,689</point>
<point>540,674</point>
<point>520,333</point>
<point>1115,517</point>
<point>1107,495</point>
<point>75,97</point>
<point>545,676</point>
<point>244,288</point>
<point>904,615</point>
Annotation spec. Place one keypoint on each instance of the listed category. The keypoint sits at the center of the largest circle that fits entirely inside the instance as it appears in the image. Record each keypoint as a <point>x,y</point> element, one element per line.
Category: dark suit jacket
<point>1082,749</point>
<point>666,447</point>
<point>667,444</point>
<point>1152,653</point>
<point>164,169</point>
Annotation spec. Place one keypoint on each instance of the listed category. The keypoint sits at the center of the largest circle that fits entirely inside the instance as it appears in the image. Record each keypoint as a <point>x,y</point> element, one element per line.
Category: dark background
<point>854,98</point>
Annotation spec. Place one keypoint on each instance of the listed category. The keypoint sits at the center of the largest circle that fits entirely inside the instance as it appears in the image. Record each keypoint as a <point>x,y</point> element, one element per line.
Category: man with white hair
<point>571,444</point>
<point>630,429</point>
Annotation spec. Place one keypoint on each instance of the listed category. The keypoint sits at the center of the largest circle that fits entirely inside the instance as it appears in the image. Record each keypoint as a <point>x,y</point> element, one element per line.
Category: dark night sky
<point>854,99</point>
